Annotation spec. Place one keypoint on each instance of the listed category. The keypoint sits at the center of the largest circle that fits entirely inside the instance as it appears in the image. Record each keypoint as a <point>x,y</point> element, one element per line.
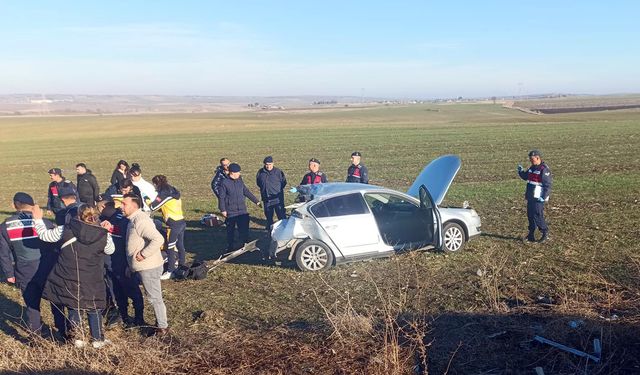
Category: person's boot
<point>544,238</point>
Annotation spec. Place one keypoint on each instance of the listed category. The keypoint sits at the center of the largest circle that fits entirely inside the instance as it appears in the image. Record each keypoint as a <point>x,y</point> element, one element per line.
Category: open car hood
<point>310,192</point>
<point>437,176</point>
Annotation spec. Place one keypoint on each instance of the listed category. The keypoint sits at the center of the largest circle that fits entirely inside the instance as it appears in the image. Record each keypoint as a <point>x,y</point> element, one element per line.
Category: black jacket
<point>113,192</point>
<point>217,180</point>
<point>271,184</point>
<point>116,177</point>
<point>118,233</point>
<point>19,243</point>
<point>54,202</point>
<point>232,197</point>
<point>77,280</point>
<point>88,188</point>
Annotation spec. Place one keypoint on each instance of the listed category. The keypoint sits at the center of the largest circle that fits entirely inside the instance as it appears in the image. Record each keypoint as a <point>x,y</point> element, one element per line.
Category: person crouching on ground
<point>143,254</point>
<point>233,207</point>
<point>168,201</point>
<point>76,281</point>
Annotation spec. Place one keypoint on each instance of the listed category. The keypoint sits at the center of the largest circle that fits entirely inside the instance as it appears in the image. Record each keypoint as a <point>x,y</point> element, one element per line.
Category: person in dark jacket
<point>76,281</point>
<point>69,197</point>
<point>222,173</point>
<point>357,172</point>
<point>232,205</point>
<point>24,258</point>
<point>271,182</point>
<point>88,188</point>
<point>315,175</point>
<point>124,285</point>
<point>120,172</point>
<point>115,192</point>
<point>55,202</point>
<point>169,203</point>
<point>539,181</point>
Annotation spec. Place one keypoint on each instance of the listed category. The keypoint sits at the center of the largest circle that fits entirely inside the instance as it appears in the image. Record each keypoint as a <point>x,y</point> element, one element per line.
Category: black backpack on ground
<point>196,271</point>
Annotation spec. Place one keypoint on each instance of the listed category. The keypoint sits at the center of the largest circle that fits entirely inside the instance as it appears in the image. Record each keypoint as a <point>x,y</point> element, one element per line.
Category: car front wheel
<point>314,256</point>
<point>453,237</point>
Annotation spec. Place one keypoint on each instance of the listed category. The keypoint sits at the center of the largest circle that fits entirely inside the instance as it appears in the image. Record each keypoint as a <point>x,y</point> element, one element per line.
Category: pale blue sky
<point>408,49</point>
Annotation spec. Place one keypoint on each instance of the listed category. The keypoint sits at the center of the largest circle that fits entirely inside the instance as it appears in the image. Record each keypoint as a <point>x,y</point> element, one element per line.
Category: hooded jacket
<point>88,188</point>
<point>169,203</point>
<point>217,180</point>
<point>76,280</point>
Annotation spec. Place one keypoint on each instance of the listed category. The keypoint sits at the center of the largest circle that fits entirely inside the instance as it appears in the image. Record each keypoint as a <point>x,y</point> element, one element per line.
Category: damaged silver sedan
<point>343,222</point>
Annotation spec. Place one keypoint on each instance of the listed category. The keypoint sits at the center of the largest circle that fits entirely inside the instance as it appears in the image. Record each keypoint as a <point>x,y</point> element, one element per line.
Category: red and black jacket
<point>314,178</point>
<point>539,181</point>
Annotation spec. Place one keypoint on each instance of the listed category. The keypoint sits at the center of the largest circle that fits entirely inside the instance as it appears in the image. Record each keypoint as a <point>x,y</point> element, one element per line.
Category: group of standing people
<point>102,246</point>
<point>231,191</point>
<point>96,253</point>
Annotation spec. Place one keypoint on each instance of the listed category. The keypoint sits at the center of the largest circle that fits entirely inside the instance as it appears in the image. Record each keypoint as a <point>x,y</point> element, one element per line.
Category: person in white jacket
<point>147,189</point>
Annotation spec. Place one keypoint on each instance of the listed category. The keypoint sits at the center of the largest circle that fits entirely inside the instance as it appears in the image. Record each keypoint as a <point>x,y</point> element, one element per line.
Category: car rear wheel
<point>314,256</point>
<point>453,237</point>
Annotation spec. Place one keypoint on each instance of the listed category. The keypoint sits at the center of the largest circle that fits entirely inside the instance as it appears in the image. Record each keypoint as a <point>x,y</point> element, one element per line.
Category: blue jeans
<point>95,322</point>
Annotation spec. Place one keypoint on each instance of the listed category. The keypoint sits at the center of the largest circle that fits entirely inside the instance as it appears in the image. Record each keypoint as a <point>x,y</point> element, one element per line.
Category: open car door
<point>431,211</point>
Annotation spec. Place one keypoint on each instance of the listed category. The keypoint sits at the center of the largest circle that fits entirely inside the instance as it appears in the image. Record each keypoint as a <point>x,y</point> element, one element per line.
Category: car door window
<point>400,220</point>
<point>350,204</point>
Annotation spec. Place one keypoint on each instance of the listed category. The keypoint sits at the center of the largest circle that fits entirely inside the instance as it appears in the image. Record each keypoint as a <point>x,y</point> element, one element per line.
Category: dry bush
<point>389,337</point>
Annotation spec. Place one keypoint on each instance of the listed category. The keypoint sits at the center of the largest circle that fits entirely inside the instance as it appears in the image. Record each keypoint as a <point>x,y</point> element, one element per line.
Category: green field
<point>472,312</point>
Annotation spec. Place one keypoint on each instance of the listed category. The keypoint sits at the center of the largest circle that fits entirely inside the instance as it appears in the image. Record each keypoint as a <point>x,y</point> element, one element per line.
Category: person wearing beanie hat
<point>234,168</point>
<point>539,181</point>
<point>232,206</point>
<point>357,172</point>
<point>58,188</point>
<point>315,175</point>
<point>271,181</point>
<point>24,259</point>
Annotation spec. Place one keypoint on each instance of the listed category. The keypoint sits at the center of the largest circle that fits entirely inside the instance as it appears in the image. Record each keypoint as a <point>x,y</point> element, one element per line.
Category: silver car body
<point>360,235</point>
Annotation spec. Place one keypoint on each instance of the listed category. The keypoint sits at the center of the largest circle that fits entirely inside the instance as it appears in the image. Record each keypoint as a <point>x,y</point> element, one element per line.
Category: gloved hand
<point>541,199</point>
<point>520,168</point>
<point>293,190</point>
